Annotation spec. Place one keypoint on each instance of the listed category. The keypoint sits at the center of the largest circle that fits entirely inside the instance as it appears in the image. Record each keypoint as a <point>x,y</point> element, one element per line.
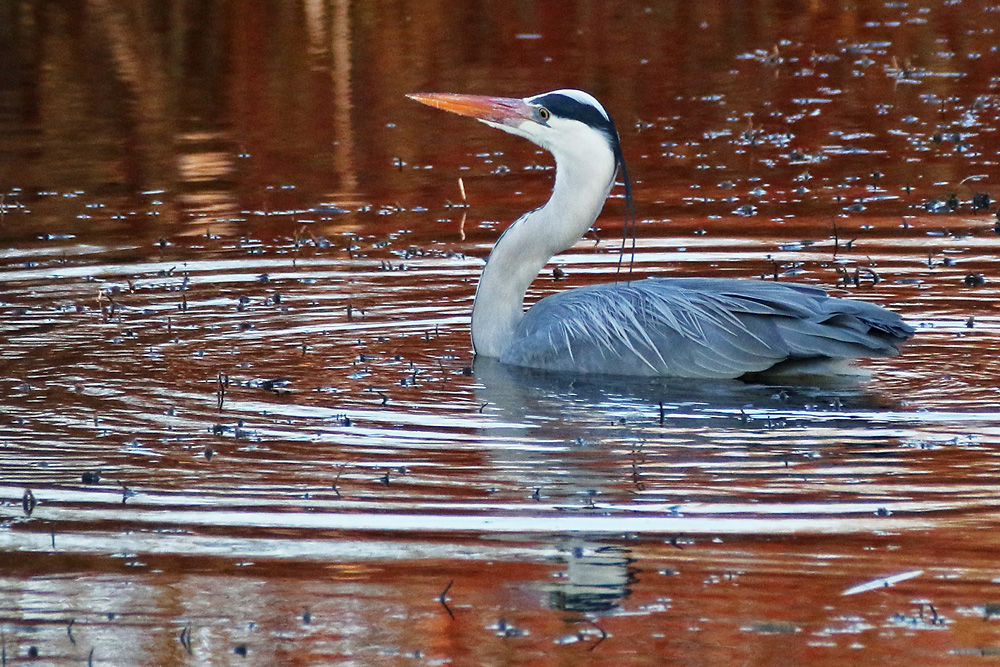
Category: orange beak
<point>502,110</point>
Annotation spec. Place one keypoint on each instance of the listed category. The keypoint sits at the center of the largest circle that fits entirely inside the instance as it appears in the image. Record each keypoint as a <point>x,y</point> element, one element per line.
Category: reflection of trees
<point>210,102</point>
<point>111,96</point>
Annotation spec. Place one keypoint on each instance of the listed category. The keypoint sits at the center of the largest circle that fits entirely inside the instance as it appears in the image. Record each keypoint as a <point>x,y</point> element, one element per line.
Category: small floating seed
<point>974,279</point>
<point>28,502</point>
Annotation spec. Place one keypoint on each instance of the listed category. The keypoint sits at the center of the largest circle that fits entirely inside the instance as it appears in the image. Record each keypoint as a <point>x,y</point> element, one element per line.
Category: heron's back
<point>698,327</point>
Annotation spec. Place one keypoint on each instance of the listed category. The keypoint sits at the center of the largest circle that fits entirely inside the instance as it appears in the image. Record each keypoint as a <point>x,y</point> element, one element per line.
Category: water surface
<point>235,277</point>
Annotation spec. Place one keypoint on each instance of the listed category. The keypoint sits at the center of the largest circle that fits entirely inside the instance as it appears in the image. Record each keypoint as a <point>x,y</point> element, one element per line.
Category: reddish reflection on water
<point>236,377</point>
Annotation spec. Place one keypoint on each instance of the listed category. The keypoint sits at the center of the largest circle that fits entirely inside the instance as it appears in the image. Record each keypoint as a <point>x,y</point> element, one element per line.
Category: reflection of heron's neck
<point>577,198</point>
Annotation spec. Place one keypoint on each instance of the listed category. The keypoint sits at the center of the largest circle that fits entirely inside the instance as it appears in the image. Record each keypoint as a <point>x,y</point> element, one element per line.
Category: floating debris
<point>185,639</point>
<point>980,201</point>
<point>947,205</point>
<point>772,628</point>
<point>974,279</point>
<point>280,386</point>
<point>884,582</point>
<point>28,502</point>
<point>504,629</point>
<point>443,598</point>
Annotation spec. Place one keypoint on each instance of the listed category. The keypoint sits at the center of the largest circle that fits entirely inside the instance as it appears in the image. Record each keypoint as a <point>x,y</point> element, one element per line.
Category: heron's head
<point>571,124</point>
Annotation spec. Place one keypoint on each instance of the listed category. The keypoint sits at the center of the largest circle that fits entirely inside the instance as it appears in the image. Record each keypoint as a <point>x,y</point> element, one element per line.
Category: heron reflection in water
<point>673,327</point>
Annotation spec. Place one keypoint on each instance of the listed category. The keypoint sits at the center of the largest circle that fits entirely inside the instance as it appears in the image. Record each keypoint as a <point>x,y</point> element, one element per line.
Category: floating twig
<point>186,639</point>
<point>604,635</point>
<point>443,599</point>
<point>223,381</point>
<point>883,582</point>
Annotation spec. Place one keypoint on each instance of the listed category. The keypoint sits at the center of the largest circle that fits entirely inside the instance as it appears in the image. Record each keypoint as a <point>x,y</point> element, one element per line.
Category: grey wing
<point>698,327</point>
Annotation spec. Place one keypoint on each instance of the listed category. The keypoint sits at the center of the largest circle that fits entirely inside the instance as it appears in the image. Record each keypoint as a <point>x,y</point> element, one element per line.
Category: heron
<point>718,328</point>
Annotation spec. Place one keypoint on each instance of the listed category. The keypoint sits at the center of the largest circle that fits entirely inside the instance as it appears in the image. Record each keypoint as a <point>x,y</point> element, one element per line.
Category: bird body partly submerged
<point>677,327</point>
<point>698,328</point>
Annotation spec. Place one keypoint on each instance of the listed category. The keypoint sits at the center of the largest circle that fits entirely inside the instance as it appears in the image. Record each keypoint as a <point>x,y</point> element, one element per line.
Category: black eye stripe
<point>567,107</point>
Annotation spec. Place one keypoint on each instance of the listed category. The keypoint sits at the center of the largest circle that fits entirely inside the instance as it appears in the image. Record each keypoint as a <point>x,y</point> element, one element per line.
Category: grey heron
<point>675,327</point>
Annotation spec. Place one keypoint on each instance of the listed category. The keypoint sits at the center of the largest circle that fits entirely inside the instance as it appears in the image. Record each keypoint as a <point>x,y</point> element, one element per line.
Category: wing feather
<point>698,327</point>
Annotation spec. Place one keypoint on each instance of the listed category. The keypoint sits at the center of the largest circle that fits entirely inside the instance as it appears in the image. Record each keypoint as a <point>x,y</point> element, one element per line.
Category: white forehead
<point>578,95</point>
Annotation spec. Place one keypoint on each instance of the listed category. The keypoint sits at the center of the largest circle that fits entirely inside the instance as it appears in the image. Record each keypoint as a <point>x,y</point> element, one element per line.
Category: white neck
<point>584,176</point>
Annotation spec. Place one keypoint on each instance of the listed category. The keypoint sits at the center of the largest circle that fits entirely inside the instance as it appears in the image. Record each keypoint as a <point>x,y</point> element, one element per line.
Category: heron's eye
<point>543,114</point>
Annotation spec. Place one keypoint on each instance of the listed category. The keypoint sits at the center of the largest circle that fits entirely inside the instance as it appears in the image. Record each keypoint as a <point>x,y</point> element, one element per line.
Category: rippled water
<point>240,414</point>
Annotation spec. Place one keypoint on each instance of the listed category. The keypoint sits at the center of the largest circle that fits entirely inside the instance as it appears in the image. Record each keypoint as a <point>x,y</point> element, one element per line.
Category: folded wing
<point>698,327</point>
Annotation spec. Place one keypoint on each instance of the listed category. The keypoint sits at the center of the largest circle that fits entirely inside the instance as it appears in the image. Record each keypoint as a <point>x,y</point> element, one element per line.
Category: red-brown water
<point>236,370</point>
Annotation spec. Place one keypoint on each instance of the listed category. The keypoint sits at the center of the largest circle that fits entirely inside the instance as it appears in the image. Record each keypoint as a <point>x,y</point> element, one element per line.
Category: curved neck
<point>577,199</point>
